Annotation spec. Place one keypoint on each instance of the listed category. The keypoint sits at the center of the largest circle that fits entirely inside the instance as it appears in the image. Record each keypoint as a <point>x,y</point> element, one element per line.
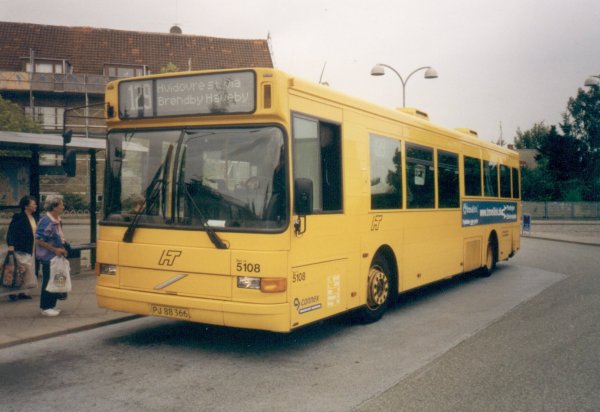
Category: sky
<point>502,65</point>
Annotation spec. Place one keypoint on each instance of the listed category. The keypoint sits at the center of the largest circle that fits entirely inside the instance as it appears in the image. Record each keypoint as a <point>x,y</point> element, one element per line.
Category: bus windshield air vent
<point>468,131</point>
<point>414,112</point>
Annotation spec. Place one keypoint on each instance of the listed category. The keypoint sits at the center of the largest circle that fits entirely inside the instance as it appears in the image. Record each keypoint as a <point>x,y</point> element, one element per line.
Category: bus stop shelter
<point>34,145</point>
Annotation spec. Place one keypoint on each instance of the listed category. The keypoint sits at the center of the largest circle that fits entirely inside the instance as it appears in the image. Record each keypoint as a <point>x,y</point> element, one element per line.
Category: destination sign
<point>483,213</point>
<point>203,94</point>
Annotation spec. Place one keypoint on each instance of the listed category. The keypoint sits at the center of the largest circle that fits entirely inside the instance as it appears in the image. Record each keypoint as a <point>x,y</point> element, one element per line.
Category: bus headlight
<point>266,285</point>
<point>247,282</point>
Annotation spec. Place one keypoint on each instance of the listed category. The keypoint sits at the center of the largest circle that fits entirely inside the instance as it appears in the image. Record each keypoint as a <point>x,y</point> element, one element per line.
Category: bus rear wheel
<point>379,291</point>
<point>490,260</point>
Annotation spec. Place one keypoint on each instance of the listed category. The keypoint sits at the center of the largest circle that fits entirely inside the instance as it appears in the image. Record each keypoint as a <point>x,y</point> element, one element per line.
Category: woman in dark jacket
<point>20,236</point>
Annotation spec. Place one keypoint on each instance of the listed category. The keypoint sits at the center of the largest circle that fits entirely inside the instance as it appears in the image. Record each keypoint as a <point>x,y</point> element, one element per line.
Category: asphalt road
<point>542,356</point>
<point>524,339</point>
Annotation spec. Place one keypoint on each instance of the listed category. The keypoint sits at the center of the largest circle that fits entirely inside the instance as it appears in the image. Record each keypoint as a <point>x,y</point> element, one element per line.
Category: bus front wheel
<point>379,291</point>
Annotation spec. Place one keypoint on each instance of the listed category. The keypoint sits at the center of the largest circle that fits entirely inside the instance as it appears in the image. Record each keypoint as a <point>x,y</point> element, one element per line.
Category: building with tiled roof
<point>47,69</point>
<point>52,71</point>
<point>93,51</point>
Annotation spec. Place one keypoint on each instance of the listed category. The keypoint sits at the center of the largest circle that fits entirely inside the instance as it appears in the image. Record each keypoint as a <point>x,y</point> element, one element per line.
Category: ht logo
<point>168,257</point>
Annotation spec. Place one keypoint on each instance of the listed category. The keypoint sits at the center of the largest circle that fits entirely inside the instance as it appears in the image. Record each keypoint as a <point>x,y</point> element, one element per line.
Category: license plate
<point>169,312</point>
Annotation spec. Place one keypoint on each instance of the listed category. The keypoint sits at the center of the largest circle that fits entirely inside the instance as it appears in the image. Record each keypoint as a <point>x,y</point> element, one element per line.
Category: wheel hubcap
<point>379,288</point>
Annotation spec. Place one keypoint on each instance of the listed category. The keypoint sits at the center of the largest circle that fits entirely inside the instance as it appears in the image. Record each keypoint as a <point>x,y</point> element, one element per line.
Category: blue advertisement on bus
<point>485,213</point>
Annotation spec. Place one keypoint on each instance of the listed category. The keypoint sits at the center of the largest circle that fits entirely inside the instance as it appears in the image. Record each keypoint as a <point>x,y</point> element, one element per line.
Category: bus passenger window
<point>331,166</point>
<point>448,181</point>
<point>419,172</point>
<point>386,173</point>
<point>504,181</point>
<point>490,178</point>
<point>472,169</point>
<point>318,156</point>
<point>516,194</point>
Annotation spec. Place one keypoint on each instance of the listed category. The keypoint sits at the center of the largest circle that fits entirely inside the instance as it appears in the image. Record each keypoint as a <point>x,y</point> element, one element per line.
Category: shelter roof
<point>50,142</point>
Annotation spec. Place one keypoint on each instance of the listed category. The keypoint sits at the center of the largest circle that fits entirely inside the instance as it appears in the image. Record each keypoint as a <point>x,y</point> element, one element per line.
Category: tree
<point>582,122</point>
<point>563,158</point>
<point>13,119</point>
<point>582,119</point>
<point>531,139</point>
<point>561,165</point>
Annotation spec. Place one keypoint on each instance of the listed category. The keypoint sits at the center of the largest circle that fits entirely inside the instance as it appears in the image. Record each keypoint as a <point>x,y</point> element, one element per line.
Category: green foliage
<point>534,184</point>
<point>531,139</point>
<point>74,201</point>
<point>582,120</point>
<point>13,119</point>
<point>568,166</point>
<point>169,68</point>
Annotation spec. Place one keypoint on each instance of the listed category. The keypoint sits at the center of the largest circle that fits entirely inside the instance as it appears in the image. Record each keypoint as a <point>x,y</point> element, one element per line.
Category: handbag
<point>12,274</point>
<point>26,263</point>
<point>60,277</point>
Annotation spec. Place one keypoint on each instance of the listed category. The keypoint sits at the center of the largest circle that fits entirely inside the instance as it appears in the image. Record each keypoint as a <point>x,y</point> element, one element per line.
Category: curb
<point>553,239</point>
<point>69,331</point>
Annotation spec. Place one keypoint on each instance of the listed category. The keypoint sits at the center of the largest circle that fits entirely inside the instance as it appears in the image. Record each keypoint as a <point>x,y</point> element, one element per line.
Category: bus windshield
<point>222,177</point>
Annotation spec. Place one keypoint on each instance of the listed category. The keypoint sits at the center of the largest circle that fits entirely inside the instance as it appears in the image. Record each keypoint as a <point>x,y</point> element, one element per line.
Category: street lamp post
<point>379,70</point>
<point>592,81</point>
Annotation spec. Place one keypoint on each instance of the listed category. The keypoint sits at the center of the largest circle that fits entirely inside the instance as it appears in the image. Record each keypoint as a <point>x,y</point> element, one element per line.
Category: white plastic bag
<point>60,277</point>
<point>26,262</point>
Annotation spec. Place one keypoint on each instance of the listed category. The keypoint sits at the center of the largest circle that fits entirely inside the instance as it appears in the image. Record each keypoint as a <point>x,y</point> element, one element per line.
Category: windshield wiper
<point>149,201</point>
<point>212,235</point>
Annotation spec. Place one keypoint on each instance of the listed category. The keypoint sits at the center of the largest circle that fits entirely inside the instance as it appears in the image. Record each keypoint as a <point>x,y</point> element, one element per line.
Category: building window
<point>50,164</point>
<point>51,118</point>
<point>47,66</point>
<point>115,70</point>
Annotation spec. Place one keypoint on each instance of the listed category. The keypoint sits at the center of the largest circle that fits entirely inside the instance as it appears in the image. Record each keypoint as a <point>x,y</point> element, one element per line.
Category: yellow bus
<point>254,199</point>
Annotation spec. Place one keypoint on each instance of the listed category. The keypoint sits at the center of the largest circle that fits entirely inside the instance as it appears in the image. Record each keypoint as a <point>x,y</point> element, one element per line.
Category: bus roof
<point>409,116</point>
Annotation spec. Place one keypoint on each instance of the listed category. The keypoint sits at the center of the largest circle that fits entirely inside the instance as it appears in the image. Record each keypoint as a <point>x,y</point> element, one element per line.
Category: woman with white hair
<point>50,242</point>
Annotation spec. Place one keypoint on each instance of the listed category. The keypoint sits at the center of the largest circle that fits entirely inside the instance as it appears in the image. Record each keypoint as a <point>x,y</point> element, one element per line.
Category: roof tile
<point>88,49</point>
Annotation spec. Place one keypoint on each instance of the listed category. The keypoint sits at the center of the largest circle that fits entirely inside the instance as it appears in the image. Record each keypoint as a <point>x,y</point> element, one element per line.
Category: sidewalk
<point>22,322</point>
<point>584,232</point>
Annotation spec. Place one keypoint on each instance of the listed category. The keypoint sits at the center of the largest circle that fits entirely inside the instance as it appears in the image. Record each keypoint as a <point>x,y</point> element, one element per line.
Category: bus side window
<point>317,156</point>
<point>472,168</point>
<point>386,172</point>
<point>331,166</point>
<point>516,194</point>
<point>420,179</point>
<point>448,181</point>
<point>490,178</point>
<point>504,181</point>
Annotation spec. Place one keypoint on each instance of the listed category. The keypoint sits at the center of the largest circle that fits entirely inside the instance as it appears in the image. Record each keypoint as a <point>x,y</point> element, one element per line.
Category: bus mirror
<point>69,162</point>
<point>303,196</point>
